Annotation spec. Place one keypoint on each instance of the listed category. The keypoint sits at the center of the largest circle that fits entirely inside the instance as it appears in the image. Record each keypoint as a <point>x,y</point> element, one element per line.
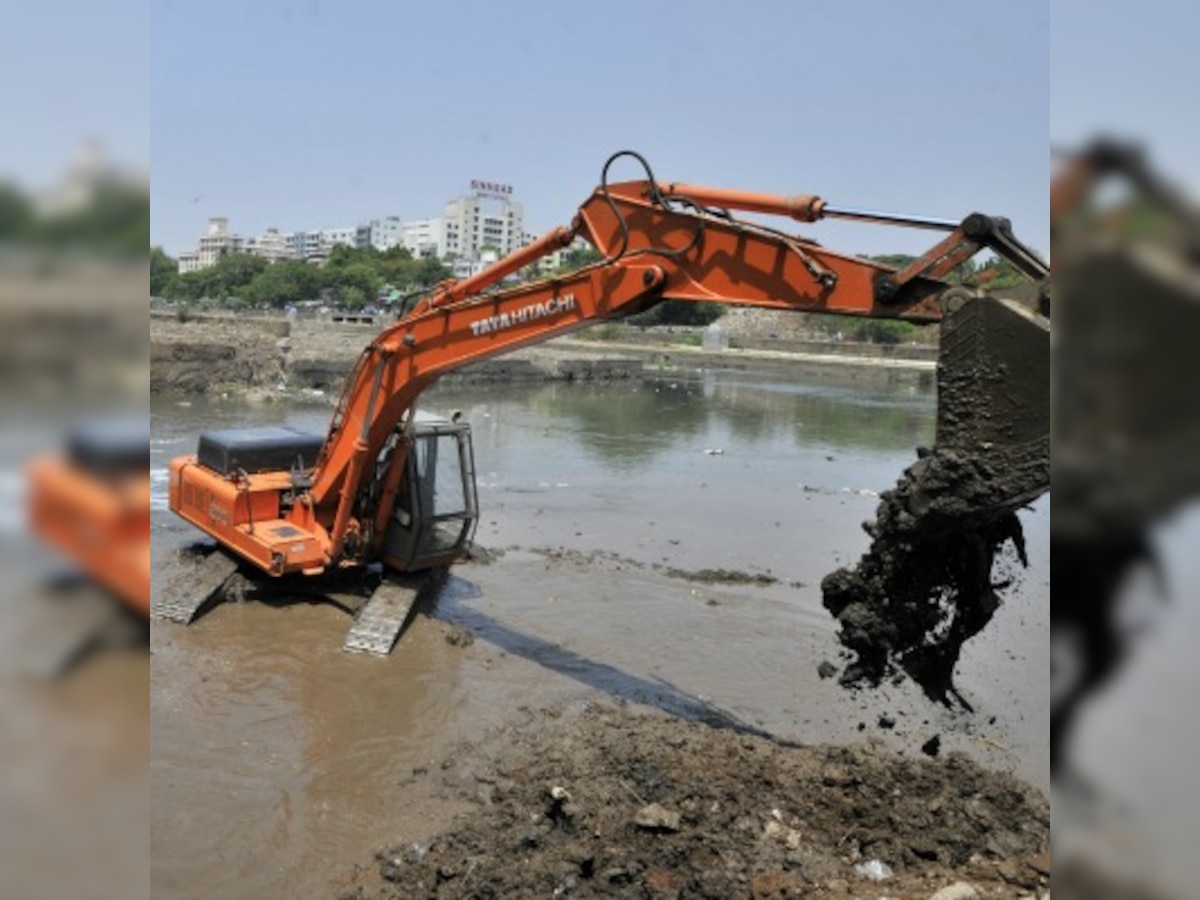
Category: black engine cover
<point>266,449</point>
<point>111,447</point>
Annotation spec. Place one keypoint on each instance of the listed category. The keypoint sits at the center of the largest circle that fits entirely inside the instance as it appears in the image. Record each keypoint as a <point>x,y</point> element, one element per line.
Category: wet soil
<point>212,357</point>
<point>717,576</point>
<point>928,583</point>
<point>946,540</point>
<point>602,799</point>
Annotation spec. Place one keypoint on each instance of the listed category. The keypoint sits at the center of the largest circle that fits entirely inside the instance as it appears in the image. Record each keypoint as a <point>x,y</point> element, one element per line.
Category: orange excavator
<point>388,485</point>
<point>91,503</point>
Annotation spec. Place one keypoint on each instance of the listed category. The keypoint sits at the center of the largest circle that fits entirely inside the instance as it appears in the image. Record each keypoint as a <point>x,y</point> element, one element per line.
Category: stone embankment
<point>260,356</point>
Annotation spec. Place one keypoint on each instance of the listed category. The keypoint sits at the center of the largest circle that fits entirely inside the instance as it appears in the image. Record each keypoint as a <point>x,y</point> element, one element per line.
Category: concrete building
<point>382,234</point>
<point>473,229</point>
<point>472,223</point>
<point>425,237</point>
<point>271,245</point>
<point>489,219</point>
<point>316,245</point>
<point>305,244</point>
<point>217,241</point>
<point>189,261</point>
<point>338,237</point>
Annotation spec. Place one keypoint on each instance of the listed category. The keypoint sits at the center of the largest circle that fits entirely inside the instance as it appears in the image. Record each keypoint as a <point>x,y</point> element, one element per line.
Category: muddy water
<point>278,761</point>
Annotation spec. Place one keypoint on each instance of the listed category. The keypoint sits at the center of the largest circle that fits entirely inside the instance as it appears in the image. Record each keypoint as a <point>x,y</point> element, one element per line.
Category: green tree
<point>679,312</point>
<point>428,272</point>
<point>228,278</point>
<point>575,259</point>
<point>895,260</point>
<point>284,283</point>
<point>354,281</point>
<point>16,213</point>
<point>117,220</point>
<point>236,270</point>
<point>352,297</point>
<point>163,269</point>
<point>998,274</point>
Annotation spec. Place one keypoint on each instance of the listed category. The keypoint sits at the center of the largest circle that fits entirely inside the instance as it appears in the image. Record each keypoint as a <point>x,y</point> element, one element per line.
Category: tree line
<point>115,219</point>
<point>352,278</point>
<point>356,277</point>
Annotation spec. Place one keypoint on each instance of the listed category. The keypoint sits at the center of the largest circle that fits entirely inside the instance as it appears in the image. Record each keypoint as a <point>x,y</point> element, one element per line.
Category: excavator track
<point>378,624</point>
<point>200,577</point>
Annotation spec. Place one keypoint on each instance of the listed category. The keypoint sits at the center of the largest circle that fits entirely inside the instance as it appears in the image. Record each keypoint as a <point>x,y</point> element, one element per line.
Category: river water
<point>278,761</point>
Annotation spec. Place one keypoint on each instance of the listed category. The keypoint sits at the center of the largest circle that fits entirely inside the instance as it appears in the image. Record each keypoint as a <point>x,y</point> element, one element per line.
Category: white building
<point>305,244</point>
<point>338,237</point>
<point>316,245</point>
<point>483,220</point>
<point>382,234</point>
<point>271,245</point>
<point>488,219</point>
<point>217,241</point>
<point>425,237</point>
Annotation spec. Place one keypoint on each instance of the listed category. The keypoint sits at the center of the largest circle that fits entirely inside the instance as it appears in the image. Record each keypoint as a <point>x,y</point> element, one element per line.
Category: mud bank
<point>210,356</point>
<point>605,800</point>
<point>227,355</point>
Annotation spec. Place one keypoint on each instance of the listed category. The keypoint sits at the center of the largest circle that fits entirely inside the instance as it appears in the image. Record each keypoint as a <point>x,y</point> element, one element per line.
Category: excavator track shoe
<point>378,624</point>
<point>199,579</point>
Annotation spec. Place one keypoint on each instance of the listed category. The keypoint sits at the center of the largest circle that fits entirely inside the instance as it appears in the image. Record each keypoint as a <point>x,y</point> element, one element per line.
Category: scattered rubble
<point>602,800</point>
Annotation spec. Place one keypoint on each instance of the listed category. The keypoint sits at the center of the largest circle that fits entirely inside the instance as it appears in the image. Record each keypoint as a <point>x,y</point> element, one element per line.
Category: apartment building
<point>483,220</point>
<point>424,238</point>
<point>382,234</point>
<point>271,245</point>
<point>483,225</point>
<point>216,241</point>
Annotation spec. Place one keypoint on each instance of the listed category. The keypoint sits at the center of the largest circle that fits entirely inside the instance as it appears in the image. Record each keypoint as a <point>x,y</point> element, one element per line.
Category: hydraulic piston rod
<point>867,215</point>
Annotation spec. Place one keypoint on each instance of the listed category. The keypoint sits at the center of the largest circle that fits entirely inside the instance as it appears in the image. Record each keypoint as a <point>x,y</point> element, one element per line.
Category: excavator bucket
<point>925,586</point>
<point>993,409</point>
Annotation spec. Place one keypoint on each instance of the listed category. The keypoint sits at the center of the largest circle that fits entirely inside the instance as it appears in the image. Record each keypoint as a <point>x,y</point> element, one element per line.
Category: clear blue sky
<point>1130,72</point>
<point>72,70</point>
<point>322,113</point>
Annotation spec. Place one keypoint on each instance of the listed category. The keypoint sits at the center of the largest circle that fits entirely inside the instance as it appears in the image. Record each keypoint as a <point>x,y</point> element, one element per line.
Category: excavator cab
<point>436,509</point>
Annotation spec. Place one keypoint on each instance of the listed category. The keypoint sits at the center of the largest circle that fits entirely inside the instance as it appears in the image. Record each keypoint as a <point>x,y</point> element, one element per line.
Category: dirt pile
<point>603,801</point>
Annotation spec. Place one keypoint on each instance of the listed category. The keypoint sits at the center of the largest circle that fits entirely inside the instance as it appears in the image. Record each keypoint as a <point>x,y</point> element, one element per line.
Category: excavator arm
<point>659,242</point>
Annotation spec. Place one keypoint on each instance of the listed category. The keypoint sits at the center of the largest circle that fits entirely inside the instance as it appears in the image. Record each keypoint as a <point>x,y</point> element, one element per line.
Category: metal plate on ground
<point>380,621</point>
<point>197,579</point>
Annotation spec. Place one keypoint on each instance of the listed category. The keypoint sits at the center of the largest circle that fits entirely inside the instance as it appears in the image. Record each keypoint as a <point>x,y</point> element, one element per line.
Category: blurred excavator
<point>1127,425</point>
<point>391,490</point>
<point>91,503</point>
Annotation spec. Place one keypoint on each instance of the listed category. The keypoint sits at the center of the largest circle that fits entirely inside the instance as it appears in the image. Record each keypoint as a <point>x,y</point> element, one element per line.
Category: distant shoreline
<point>261,358</point>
